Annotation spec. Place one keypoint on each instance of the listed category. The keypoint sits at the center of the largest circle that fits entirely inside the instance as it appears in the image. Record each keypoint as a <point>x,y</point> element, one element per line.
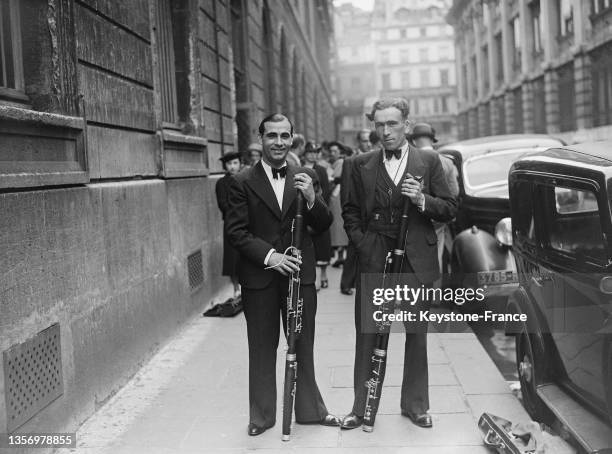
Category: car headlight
<point>503,232</point>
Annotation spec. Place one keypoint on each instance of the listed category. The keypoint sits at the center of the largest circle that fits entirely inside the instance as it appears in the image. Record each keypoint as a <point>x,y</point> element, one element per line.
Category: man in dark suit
<point>379,183</point>
<point>258,223</point>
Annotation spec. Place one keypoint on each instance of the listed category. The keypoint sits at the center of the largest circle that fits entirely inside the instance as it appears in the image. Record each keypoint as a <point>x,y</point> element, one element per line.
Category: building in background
<point>534,66</point>
<point>113,116</point>
<point>401,48</point>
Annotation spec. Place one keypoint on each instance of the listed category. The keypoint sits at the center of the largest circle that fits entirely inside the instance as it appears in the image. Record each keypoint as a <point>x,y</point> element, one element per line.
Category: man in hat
<point>231,164</point>
<point>380,182</point>
<point>262,207</point>
<point>424,136</point>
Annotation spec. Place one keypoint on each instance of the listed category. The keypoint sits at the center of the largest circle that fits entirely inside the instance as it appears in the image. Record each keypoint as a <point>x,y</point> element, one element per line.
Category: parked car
<point>560,202</point>
<point>481,252</point>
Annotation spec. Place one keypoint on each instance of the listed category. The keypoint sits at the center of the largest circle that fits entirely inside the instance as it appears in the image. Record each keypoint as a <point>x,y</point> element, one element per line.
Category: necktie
<point>279,173</point>
<point>397,153</point>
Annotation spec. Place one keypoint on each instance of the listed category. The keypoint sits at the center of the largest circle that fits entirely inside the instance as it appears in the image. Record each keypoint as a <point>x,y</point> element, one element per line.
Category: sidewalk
<point>193,395</point>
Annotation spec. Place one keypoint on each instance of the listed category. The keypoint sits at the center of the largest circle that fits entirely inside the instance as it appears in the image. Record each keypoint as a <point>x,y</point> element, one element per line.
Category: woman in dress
<point>339,240</point>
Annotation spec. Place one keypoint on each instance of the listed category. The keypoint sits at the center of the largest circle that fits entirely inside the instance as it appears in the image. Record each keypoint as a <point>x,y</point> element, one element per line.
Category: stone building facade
<point>401,48</point>
<point>534,66</point>
<point>113,116</point>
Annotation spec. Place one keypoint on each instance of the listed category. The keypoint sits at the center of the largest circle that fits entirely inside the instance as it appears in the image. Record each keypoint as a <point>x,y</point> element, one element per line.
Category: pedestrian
<point>231,164</point>
<point>379,183</point>
<point>261,211</point>
<point>322,241</point>
<point>350,267</point>
<point>375,141</point>
<point>423,136</point>
<point>339,240</point>
<point>296,153</point>
<point>254,153</point>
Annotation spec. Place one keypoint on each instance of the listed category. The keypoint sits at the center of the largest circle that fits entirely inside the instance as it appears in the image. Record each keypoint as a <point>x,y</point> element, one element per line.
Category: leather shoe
<point>256,430</point>
<point>421,420</point>
<point>351,421</point>
<point>346,291</point>
<point>331,421</point>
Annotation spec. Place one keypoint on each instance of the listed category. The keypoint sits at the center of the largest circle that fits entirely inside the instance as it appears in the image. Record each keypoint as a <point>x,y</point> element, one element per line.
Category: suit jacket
<point>255,224</point>
<point>440,205</point>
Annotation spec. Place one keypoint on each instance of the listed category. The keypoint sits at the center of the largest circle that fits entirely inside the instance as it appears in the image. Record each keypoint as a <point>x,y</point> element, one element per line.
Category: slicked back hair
<point>361,131</point>
<point>399,103</point>
<point>274,118</point>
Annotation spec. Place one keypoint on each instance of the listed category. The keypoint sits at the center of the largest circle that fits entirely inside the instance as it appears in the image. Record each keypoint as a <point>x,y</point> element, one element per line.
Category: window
<point>444,104</point>
<point>423,31</point>
<point>169,109</point>
<point>403,33</point>
<point>566,13</point>
<point>386,81</point>
<point>268,63</point>
<point>404,55</point>
<point>523,212</point>
<point>384,57</point>
<point>11,74</point>
<point>602,85</point>
<point>485,68</point>
<point>537,26</point>
<point>474,76</point>
<point>598,6</point>
<point>405,75</point>
<point>567,98</point>
<point>444,77</point>
<point>516,41</point>
<point>517,96</point>
<point>443,52</point>
<point>499,76</point>
<point>423,55</point>
<point>424,77</point>
<point>539,105</point>
<point>573,224</point>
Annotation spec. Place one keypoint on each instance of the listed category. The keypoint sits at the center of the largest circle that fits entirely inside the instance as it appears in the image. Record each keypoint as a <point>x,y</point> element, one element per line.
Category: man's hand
<point>412,188</point>
<point>303,182</point>
<point>284,264</point>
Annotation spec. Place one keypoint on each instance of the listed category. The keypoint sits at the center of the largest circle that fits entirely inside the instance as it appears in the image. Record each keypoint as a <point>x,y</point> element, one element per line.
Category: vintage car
<point>480,254</point>
<point>560,202</point>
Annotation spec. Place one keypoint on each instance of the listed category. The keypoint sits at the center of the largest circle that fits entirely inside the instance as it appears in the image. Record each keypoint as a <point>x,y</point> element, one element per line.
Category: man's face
<point>276,141</point>
<point>364,141</point>
<point>254,156</point>
<point>423,141</point>
<point>334,152</point>
<point>233,166</point>
<point>391,127</point>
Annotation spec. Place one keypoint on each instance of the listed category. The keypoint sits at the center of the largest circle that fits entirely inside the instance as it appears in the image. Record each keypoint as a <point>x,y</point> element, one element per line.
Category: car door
<point>576,256</point>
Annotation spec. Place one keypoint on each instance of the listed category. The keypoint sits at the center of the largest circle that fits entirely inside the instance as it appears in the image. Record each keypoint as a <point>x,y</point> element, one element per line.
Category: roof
<point>502,142</point>
<point>595,155</point>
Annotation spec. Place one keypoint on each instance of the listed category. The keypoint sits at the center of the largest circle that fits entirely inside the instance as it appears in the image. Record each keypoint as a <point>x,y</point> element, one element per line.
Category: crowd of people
<point>354,204</point>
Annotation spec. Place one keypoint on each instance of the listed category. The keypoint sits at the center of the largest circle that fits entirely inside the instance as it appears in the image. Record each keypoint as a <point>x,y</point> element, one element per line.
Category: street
<point>193,395</point>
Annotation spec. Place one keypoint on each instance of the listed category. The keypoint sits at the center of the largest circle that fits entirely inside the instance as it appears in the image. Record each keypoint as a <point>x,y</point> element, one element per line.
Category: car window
<point>573,224</point>
<point>491,169</point>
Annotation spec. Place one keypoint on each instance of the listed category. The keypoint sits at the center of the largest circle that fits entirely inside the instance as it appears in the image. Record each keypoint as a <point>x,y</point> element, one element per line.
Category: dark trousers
<point>415,392</point>
<point>262,310</point>
<point>349,269</point>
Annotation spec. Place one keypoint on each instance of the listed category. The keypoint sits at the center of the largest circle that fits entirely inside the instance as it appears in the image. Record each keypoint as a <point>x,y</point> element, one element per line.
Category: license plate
<point>497,277</point>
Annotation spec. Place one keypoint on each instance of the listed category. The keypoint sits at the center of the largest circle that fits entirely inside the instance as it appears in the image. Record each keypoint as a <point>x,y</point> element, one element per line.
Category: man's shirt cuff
<point>272,251</point>
<point>421,206</point>
<point>309,205</point>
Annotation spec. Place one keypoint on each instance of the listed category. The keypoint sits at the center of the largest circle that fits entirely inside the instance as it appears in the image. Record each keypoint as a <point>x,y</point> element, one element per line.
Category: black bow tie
<point>397,153</point>
<point>279,173</point>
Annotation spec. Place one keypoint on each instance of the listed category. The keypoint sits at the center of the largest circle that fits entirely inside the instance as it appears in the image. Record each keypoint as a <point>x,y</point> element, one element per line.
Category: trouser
<point>349,269</point>
<point>262,310</point>
<point>415,391</point>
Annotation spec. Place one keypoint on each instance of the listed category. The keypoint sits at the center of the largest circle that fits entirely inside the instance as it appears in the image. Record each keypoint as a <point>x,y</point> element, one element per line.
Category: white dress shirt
<point>278,186</point>
<point>396,168</point>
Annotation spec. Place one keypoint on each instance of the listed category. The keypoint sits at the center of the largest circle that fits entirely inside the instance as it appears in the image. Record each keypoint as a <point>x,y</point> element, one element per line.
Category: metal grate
<point>195,270</point>
<point>32,376</point>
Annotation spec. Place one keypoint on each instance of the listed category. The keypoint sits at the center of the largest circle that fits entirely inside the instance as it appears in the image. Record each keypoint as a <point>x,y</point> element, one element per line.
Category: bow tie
<point>390,153</point>
<point>279,173</point>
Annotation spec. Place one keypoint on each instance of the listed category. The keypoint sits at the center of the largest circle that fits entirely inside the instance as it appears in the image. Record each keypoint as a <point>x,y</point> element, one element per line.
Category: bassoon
<point>378,368</point>
<point>294,319</point>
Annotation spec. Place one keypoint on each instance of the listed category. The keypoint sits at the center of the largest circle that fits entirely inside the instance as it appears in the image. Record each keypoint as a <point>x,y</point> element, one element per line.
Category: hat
<point>255,146</point>
<point>229,156</point>
<point>423,130</point>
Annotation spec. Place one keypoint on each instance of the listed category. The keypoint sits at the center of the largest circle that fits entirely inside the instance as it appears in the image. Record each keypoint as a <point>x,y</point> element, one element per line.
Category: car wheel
<point>530,362</point>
